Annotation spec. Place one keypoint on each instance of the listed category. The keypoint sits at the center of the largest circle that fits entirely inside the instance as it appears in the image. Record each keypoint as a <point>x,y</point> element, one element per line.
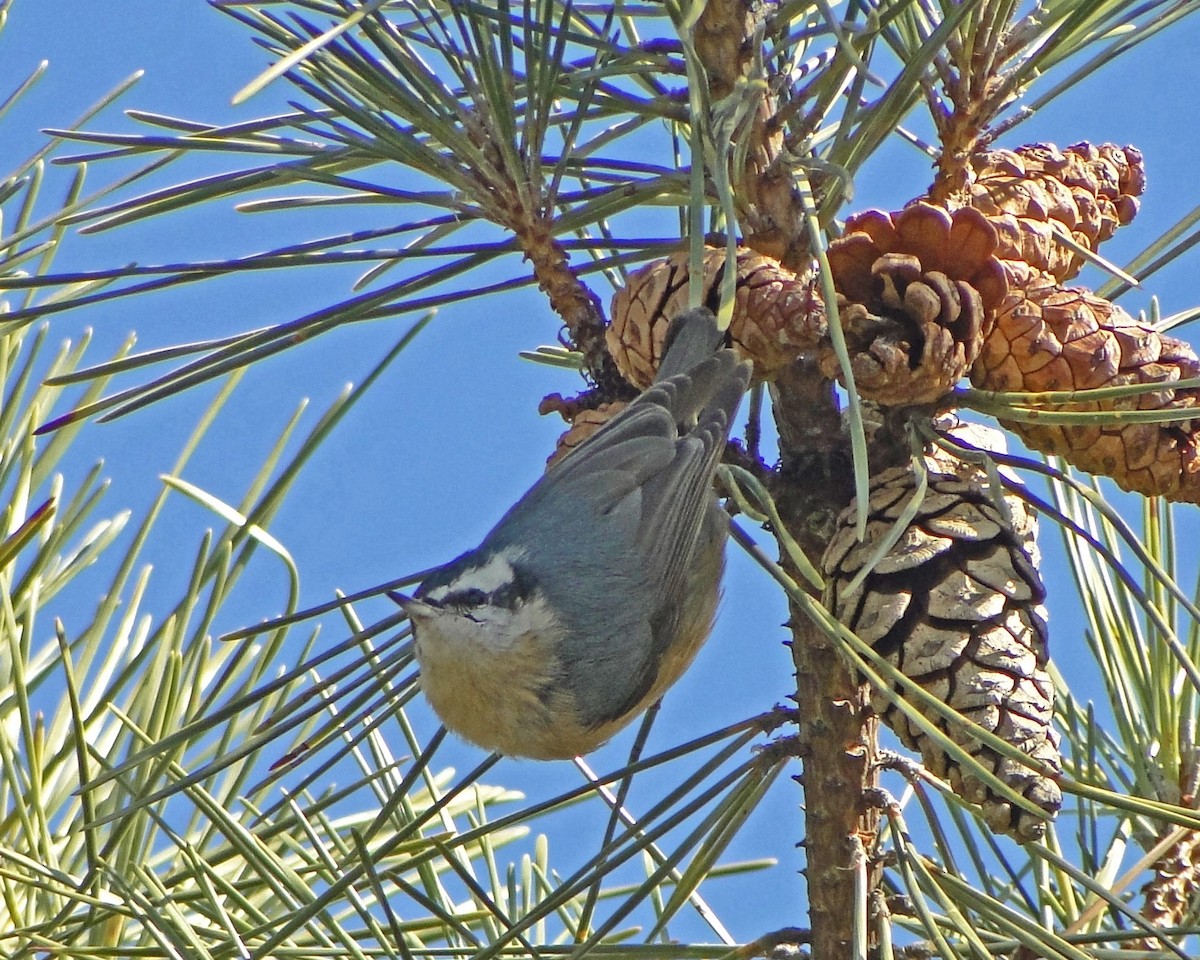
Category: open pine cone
<point>1050,338</point>
<point>776,316</point>
<point>917,291</point>
<point>1030,193</point>
<point>956,606</point>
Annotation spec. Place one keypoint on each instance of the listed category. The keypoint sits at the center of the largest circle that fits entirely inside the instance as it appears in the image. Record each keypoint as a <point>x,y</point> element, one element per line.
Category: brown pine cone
<point>1028,194</point>
<point>1170,895</point>
<point>776,316</point>
<point>956,605</point>
<point>917,291</point>
<point>583,425</point>
<point>1050,338</point>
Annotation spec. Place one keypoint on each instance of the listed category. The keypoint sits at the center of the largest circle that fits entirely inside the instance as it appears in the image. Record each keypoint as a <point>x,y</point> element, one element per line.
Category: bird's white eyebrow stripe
<point>496,573</point>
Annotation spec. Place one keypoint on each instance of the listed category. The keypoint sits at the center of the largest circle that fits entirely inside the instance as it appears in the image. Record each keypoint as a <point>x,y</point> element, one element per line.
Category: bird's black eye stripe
<point>471,597</point>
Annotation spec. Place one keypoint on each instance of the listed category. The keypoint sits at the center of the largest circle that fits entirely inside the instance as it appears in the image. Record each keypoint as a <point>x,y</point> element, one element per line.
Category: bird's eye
<point>463,599</point>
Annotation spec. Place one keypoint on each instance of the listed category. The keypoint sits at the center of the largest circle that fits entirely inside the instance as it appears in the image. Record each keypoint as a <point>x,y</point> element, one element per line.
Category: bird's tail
<point>697,379</point>
<point>691,338</point>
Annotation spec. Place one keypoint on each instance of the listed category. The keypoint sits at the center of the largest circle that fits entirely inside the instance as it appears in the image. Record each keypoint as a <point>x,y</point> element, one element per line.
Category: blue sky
<point>422,469</point>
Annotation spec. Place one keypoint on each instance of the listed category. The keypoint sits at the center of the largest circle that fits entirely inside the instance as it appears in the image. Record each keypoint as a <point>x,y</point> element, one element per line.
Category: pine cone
<point>776,316</point>
<point>1050,338</point>
<point>1170,895</point>
<point>956,605</point>
<point>917,291</point>
<point>583,425</point>
<point>1030,193</point>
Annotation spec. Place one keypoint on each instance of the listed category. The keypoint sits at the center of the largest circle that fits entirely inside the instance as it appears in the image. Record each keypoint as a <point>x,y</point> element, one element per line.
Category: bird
<point>595,591</point>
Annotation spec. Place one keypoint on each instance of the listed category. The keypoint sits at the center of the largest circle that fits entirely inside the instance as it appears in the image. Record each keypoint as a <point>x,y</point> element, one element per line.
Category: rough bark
<point>838,734</point>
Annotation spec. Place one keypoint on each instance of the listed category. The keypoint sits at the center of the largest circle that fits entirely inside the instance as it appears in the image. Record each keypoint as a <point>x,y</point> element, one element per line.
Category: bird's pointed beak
<point>416,609</point>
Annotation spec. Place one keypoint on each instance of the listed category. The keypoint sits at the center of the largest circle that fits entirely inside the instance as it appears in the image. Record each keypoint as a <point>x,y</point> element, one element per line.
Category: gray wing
<point>676,501</point>
<point>645,439</point>
<point>644,449</point>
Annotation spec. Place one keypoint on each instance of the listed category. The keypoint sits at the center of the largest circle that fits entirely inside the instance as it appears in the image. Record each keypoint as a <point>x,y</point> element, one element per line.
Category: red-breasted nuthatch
<point>594,592</point>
